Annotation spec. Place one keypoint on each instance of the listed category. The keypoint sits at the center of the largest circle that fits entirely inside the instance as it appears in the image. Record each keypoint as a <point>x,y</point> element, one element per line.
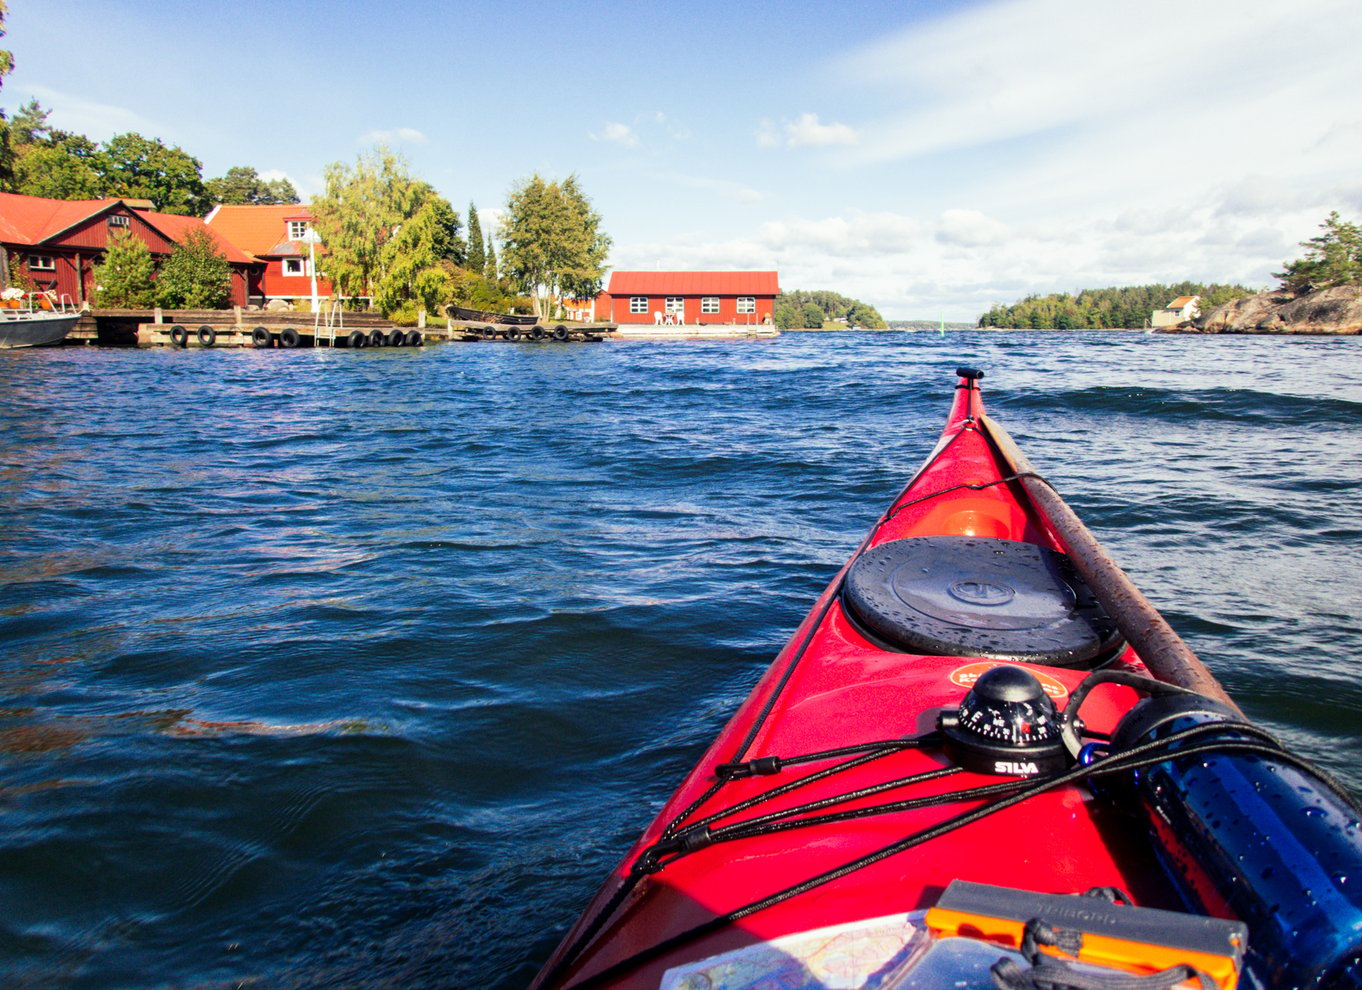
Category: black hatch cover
<point>971,596</point>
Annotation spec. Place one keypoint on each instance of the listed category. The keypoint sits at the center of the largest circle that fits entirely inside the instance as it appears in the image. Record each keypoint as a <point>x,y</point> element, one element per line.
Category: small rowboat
<point>983,760</point>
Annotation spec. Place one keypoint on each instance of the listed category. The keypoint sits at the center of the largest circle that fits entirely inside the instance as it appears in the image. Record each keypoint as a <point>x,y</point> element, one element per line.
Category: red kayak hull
<point>832,686</point>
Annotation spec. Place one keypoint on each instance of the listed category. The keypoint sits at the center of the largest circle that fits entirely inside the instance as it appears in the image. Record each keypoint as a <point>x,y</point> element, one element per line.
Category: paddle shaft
<point>1162,650</point>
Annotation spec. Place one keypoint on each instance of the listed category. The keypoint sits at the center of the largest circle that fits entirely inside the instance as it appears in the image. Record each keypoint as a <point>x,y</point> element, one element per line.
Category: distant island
<point>1117,308</point>
<point>1318,293</point>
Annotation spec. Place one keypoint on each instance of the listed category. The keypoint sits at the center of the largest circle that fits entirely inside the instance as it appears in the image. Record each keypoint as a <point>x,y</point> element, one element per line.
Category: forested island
<point>1127,307</point>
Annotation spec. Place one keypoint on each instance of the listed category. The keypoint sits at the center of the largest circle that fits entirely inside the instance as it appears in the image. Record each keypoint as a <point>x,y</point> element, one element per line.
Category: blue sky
<point>931,158</point>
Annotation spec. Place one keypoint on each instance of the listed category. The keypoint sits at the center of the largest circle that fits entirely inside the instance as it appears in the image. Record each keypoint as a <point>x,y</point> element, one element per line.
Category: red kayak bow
<point>979,713</point>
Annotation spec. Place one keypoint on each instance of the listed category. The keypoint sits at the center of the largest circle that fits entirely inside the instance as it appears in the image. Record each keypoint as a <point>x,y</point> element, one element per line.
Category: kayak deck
<point>830,796</point>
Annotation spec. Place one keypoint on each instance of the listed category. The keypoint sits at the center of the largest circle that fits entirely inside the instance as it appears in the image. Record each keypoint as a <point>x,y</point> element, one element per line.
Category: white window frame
<point>709,305</point>
<point>638,304</point>
<point>299,230</point>
<point>42,263</point>
<point>747,305</point>
<point>675,304</point>
<point>302,271</point>
<point>119,220</point>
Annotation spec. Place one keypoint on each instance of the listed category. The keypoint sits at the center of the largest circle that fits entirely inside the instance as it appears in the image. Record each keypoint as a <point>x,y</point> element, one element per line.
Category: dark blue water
<point>330,668</point>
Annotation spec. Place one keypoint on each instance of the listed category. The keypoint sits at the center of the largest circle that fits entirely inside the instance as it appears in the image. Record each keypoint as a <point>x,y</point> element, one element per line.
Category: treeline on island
<point>1128,307</point>
<point>801,310</point>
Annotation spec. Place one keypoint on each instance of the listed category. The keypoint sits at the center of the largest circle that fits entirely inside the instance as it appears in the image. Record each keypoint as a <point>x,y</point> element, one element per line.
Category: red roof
<point>694,284</point>
<point>260,230</point>
<point>1182,301</point>
<point>33,220</point>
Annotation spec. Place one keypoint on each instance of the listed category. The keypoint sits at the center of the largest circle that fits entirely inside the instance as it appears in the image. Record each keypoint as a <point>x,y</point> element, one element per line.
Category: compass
<point>1007,725</point>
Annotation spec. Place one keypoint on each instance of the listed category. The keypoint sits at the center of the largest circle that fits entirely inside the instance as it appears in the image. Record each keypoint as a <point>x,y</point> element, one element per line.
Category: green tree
<point>196,275</point>
<point>243,186</point>
<point>551,242</point>
<point>123,280</point>
<point>6,151</point>
<point>489,267</point>
<point>812,316</point>
<point>1331,258</point>
<point>144,168</point>
<point>477,256</point>
<point>386,233</point>
<point>29,125</point>
<point>70,169</point>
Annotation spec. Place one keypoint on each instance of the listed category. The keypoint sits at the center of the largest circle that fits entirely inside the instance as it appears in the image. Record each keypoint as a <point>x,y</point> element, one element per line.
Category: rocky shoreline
<point>1336,311</point>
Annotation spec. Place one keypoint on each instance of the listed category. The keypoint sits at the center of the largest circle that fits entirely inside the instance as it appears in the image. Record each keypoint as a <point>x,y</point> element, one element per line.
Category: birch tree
<point>551,242</point>
<point>385,233</point>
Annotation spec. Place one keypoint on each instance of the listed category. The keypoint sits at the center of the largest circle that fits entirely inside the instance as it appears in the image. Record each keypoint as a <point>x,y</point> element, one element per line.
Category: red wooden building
<point>57,243</point>
<point>689,297</point>
<point>282,238</point>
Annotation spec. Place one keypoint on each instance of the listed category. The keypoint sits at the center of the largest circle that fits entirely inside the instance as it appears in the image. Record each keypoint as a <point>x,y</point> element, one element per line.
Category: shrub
<point>124,279</point>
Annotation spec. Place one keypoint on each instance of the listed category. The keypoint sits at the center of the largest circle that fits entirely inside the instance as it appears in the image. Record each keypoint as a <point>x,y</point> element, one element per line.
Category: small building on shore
<point>676,297</point>
<point>283,240</point>
<point>57,243</point>
<point>1183,309</point>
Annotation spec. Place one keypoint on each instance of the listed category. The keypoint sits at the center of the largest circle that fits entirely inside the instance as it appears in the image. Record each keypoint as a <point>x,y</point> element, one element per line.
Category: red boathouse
<point>57,242</point>
<point>689,297</point>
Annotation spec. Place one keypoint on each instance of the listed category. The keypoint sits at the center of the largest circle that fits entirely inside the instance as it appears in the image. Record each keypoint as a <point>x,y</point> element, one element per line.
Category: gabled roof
<point>33,220</point>
<point>694,283</point>
<point>177,228</point>
<point>1182,301</point>
<point>261,230</point>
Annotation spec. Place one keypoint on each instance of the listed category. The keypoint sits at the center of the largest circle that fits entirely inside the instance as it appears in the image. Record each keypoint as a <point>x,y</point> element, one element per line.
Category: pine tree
<point>477,260</point>
<point>489,270</point>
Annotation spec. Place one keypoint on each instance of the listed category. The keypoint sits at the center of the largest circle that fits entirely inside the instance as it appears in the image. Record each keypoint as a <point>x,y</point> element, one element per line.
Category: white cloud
<point>651,128</point>
<point>805,131</point>
<point>393,136</point>
<point>723,188</point>
<point>97,121</point>
<point>619,134</point>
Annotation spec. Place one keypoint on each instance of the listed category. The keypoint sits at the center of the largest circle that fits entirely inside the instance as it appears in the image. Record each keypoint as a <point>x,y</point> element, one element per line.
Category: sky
<point>930,157</point>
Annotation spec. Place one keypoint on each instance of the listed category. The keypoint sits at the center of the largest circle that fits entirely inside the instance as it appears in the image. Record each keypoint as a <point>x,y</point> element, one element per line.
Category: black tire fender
<point>356,339</point>
<point>376,338</point>
<point>207,336</point>
<point>560,332</point>
<point>414,338</point>
<point>260,337</point>
<point>288,337</point>
<point>179,336</point>
<point>397,338</point>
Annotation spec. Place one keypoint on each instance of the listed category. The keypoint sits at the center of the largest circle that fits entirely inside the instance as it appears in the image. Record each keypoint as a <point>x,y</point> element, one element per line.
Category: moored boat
<point>983,759</point>
<point>34,321</point>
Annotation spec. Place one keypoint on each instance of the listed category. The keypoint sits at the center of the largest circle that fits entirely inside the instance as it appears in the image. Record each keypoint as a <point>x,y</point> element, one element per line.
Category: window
<point>298,230</point>
<point>295,266</point>
<point>676,304</point>
<point>638,304</point>
<point>709,305</point>
<point>118,220</point>
<point>42,263</point>
<point>747,305</point>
